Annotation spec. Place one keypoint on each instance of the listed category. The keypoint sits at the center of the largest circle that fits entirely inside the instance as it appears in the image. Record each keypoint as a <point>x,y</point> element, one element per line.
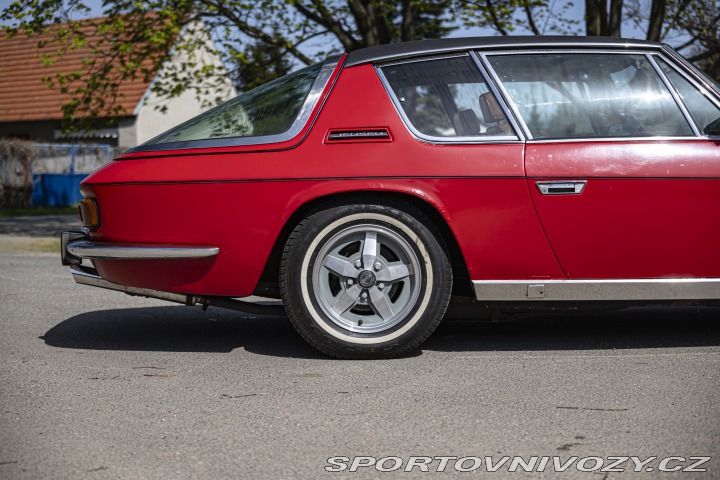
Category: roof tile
<point>24,96</point>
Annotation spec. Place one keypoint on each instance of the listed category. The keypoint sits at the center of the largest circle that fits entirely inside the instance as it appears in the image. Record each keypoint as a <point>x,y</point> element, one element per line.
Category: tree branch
<point>699,34</point>
<point>254,32</point>
<point>530,19</point>
<point>324,18</point>
<point>494,17</point>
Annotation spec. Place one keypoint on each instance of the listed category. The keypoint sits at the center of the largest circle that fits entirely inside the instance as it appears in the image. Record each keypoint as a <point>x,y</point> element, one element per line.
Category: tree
<point>266,38</point>
<point>258,64</point>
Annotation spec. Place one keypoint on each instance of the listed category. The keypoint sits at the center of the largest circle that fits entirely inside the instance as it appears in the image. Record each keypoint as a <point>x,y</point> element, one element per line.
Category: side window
<point>589,95</point>
<point>701,108</point>
<point>446,97</point>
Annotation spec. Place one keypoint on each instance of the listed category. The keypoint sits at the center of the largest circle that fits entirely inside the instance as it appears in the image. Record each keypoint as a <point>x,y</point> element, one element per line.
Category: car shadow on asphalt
<point>629,328</point>
<point>179,329</point>
<point>184,329</point>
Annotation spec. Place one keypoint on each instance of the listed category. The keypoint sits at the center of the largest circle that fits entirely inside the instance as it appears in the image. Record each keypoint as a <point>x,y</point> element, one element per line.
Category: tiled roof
<point>23,94</point>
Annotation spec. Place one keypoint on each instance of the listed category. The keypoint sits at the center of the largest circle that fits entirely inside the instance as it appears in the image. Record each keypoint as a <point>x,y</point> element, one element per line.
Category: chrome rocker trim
<point>96,250</point>
<point>609,290</point>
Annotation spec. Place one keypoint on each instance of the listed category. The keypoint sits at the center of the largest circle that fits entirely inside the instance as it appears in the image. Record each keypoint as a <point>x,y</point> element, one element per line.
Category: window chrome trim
<point>573,51</point>
<point>612,139</point>
<point>390,63</point>
<point>430,138</point>
<point>516,112</point>
<point>301,120</point>
<point>707,93</point>
<point>675,94</point>
<point>449,45</point>
<point>690,72</point>
<point>509,114</point>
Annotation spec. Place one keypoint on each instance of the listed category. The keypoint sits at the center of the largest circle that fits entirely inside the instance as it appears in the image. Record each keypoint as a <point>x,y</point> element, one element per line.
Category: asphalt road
<point>97,384</point>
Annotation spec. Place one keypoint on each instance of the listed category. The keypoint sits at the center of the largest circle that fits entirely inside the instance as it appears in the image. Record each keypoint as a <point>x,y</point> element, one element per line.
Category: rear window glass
<point>590,95</point>
<point>269,109</point>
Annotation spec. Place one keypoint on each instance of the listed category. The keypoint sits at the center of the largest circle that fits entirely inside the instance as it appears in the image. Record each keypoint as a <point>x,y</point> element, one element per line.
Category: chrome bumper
<point>75,246</point>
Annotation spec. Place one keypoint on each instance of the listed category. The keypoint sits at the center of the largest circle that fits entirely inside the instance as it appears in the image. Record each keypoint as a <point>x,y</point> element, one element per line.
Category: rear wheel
<point>365,280</point>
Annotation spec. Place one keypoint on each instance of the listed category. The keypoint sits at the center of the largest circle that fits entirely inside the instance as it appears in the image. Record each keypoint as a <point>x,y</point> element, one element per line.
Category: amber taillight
<point>89,213</point>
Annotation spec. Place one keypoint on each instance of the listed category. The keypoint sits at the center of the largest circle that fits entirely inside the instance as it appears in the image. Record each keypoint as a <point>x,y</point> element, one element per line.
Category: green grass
<point>35,211</point>
<point>14,244</point>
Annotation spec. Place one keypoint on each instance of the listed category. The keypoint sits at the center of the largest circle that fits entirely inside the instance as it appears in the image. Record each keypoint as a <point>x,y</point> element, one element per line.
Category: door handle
<point>561,187</point>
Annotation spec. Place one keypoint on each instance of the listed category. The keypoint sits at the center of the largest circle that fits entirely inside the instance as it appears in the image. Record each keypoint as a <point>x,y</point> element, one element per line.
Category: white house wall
<point>152,122</point>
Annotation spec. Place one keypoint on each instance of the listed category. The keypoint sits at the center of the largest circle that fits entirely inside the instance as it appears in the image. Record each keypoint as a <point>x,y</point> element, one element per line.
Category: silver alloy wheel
<point>366,278</point>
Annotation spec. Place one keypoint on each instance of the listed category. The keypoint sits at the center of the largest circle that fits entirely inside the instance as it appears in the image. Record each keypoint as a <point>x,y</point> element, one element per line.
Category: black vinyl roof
<point>423,47</point>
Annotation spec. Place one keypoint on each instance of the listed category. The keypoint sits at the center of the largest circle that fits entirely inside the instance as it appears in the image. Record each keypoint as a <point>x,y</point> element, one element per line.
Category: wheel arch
<point>268,283</point>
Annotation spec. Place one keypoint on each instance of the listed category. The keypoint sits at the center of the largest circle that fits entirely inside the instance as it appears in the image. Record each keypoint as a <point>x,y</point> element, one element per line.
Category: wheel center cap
<point>366,279</point>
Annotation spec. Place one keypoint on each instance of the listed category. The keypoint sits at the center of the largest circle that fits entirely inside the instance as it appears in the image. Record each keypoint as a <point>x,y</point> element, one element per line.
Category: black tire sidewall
<point>296,282</point>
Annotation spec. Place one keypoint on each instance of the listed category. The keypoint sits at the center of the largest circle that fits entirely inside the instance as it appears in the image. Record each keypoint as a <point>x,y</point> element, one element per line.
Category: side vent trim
<point>358,135</point>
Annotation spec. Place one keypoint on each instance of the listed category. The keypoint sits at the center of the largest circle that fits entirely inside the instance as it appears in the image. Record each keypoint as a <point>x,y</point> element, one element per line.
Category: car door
<point>624,183</point>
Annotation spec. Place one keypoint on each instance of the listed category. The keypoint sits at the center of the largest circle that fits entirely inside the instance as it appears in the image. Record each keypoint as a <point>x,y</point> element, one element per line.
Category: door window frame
<point>483,58</point>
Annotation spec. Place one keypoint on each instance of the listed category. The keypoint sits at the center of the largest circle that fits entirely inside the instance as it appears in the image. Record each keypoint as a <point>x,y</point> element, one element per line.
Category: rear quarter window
<point>446,98</point>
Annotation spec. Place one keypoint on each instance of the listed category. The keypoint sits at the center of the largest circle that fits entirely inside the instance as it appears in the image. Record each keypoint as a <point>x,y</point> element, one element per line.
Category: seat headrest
<point>490,108</point>
<point>467,123</point>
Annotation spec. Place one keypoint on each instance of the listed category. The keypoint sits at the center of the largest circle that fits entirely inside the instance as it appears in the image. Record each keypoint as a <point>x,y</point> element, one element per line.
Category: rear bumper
<point>75,246</point>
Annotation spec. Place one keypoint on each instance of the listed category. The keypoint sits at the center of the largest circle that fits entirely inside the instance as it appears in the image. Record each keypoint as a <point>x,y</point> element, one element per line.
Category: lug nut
<point>364,295</point>
<point>381,285</point>
<point>377,265</point>
<point>349,281</point>
<point>358,264</point>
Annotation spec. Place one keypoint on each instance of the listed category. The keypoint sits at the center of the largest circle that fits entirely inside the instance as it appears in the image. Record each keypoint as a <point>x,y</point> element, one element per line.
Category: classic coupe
<point>368,190</point>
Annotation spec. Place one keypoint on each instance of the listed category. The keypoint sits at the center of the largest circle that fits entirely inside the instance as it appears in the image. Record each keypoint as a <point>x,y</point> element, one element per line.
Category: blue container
<point>57,189</point>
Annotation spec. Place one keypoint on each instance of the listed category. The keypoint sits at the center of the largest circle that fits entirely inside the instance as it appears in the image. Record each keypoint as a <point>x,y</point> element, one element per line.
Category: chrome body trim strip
<point>301,120</point>
<point>608,290</point>
<point>97,250</point>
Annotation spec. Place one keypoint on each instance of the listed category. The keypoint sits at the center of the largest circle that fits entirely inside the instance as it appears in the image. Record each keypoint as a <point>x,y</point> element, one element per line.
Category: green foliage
<point>261,40</point>
<point>258,64</point>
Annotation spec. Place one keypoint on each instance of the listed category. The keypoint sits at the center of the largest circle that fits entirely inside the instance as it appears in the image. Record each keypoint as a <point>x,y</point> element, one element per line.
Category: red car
<point>366,190</point>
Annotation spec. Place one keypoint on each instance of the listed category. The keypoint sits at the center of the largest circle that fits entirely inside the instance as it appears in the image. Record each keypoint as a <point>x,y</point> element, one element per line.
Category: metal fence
<point>71,158</point>
<point>58,170</point>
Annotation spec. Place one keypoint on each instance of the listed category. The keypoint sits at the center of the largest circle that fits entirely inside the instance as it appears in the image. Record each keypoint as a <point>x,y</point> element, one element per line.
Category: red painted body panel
<point>239,201</point>
<point>243,219</point>
<point>649,209</point>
